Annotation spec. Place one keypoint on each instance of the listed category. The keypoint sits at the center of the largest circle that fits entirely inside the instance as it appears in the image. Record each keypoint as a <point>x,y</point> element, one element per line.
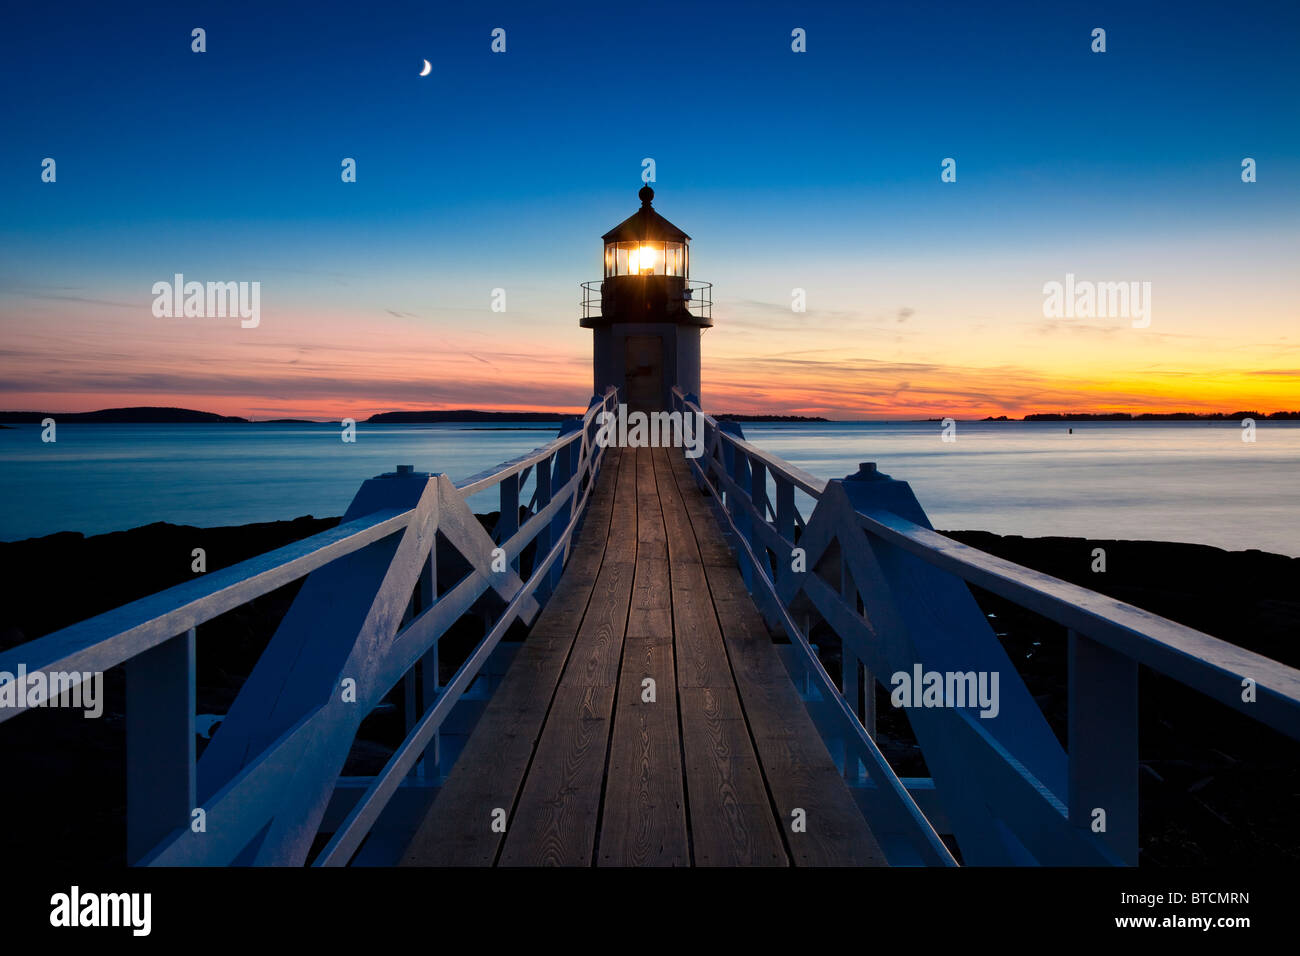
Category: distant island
<point>1148,417</point>
<point>465,415</point>
<point>137,415</point>
<point>738,417</point>
<point>471,415</point>
<point>154,415</point>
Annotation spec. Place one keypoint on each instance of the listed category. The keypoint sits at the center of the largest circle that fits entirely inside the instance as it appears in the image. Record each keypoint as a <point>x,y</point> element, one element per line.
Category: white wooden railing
<point>867,561</point>
<point>368,616</point>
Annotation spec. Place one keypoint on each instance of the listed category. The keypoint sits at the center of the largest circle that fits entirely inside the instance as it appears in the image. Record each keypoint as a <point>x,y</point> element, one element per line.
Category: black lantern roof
<point>645,225</point>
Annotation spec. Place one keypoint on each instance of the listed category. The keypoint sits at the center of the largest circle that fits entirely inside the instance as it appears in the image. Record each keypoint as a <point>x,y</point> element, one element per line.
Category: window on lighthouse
<point>645,258</point>
<point>674,262</point>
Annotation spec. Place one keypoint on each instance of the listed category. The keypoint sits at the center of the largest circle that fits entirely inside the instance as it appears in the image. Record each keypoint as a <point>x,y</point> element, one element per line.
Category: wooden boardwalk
<point>587,770</point>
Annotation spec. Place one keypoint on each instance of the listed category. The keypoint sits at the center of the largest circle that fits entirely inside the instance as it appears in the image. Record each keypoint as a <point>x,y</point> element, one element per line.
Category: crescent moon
<point>428,68</point>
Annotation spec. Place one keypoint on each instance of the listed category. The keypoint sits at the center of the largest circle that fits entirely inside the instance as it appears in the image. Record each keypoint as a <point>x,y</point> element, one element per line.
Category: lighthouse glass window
<point>645,258</point>
<point>674,259</point>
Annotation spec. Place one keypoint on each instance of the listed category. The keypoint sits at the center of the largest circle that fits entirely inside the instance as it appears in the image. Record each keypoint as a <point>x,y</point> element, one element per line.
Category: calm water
<point>1160,481</point>
<point>1194,482</point>
<point>99,478</point>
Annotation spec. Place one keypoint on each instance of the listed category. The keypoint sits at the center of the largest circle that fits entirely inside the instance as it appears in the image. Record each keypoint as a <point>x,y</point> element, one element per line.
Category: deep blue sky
<point>251,132</point>
<point>505,169</point>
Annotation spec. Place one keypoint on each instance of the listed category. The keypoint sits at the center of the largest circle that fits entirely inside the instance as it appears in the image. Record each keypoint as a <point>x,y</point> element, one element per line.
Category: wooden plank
<point>457,830</point>
<point>731,818</point>
<point>555,822</point>
<point>565,609</point>
<point>682,548</point>
<point>698,507</point>
<point>489,775</point>
<point>803,778</point>
<point>800,774</point>
<point>754,658</point>
<point>563,613</point>
<point>598,648</point>
<point>709,704</point>
<point>701,657</point>
<point>600,506</point>
<point>650,617</point>
<point>644,819</point>
<point>622,539</point>
<point>603,606</point>
<point>650,535</point>
<point>599,645</point>
<point>654,625</point>
<point>652,584</point>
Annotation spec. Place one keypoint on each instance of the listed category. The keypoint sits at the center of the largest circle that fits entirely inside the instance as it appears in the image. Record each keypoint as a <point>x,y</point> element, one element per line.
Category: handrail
<point>372,609</point>
<point>1193,657</point>
<point>803,480</point>
<point>109,639</point>
<point>893,590</point>
<point>697,299</point>
<point>495,475</point>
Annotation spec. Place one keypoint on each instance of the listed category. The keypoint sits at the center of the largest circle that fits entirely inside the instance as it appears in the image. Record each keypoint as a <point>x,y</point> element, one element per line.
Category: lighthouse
<point>646,314</point>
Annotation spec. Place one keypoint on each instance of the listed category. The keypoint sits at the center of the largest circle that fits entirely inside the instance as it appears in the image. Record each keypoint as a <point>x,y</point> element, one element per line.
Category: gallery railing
<point>867,562</point>
<point>696,295</point>
<point>370,613</point>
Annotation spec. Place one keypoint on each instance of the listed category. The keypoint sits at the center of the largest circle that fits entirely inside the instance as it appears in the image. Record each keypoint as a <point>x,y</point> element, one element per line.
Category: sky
<point>818,171</point>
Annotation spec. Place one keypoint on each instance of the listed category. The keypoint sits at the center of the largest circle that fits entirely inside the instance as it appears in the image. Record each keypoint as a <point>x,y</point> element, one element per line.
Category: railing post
<point>869,701</point>
<point>160,744</point>
<point>1103,752</point>
<point>852,686</point>
<point>735,464</point>
<point>566,463</point>
<point>545,538</point>
<point>740,505</point>
<point>508,523</point>
<point>866,689</point>
<point>849,689</point>
<point>785,508</point>
<point>410,686</point>
<point>758,488</point>
<point>729,456</point>
<point>427,590</point>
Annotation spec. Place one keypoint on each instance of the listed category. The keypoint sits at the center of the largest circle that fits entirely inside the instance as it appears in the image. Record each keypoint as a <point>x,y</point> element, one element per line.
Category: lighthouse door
<point>644,371</point>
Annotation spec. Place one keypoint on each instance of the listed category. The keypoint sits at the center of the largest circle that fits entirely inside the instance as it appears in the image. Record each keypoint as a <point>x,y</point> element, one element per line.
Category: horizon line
<point>575,413</point>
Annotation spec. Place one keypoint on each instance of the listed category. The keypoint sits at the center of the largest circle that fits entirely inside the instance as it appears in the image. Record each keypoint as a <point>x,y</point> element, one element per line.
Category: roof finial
<point>646,194</point>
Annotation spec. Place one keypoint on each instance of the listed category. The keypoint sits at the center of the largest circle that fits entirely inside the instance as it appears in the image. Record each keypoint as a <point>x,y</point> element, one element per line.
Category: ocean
<point>1171,481</point>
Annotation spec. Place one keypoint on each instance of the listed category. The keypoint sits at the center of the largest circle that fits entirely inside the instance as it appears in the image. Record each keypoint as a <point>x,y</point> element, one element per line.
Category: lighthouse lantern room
<point>646,314</point>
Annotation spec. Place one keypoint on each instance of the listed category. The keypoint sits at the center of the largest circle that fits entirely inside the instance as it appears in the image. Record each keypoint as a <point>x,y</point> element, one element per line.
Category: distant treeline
<point>167,416</point>
<point>139,415</point>
<point>736,417</point>
<point>465,415</point>
<point>469,415</point>
<point>1153,417</point>
<point>150,415</point>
